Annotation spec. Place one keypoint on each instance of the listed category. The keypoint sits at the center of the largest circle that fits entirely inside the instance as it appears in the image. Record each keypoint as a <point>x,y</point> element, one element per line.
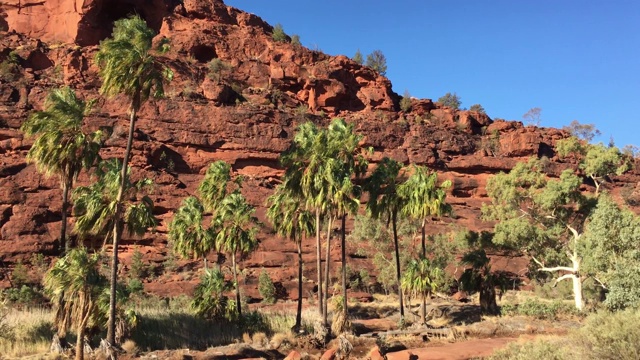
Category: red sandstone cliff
<point>202,120</point>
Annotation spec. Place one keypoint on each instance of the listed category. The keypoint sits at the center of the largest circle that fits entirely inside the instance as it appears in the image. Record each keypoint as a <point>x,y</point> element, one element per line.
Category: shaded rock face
<point>246,116</point>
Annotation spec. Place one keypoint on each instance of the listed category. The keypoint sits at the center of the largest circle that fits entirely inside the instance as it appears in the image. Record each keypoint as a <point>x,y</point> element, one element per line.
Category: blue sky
<point>574,59</point>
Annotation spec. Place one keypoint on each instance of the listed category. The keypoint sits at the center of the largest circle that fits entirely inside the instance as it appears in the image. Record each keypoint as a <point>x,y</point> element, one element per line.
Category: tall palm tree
<point>75,284</point>
<point>305,162</point>
<point>345,161</point>
<point>95,204</point>
<point>385,202</point>
<point>421,278</point>
<point>290,219</point>
<point>424,198</point>
<point>237,234</point>
<point>61,147</point>
<point>128,65</point>
<point>187,231</point>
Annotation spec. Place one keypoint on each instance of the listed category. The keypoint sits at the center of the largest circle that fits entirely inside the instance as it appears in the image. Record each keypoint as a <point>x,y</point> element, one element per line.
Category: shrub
<point>607,336</point>
<point>218,69</point>
<point>138,269</point>
<point>405,103</point>
<point>451,100</point>
<point>477,108</point>
<point>278,34</point>
<point>266,288</point>
<point>358,57</point>
<point>295,40</point>
<point>20,275</point>
<point>624,291</point>
<point>10,68</point>
<point>533,350</point>
<point>135,286</point>
<point>209,300</point>
<point>378,62</point>
<point>540,310</point>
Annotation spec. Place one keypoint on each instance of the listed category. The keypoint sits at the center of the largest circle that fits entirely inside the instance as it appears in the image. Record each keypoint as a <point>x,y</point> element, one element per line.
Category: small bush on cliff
<point>266,288</point>
<point>451,100</point>
<point>10,68</point>
<point>278,34</point>
<point>405,103</point>
<point>358,57</point>
<point>377,61</point>
<point>477,108</point>
<point>218,69</point>
<point>295,40</point>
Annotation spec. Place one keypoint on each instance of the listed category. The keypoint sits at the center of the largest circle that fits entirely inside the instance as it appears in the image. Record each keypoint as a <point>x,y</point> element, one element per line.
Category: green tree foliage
<point>10,68</point>
<point>95,204</point>
<point>61,147</point>
<point>532,117</point>
<point>421,278</point>
<point>405,102</point>
<point>377,61</point>
<point>209,300</point>
<point>290,219</point>
<point>424,198</point>
<point>385,202</point>
<point>451,100</point>
<point>543,217</point>
<point>127,65</point>
<point>597,161</point>
<point>358,58</point>
<point>75,284</point>
<point>266,288</point>
<point>237,233</point>
<point>278,34</point>
<point>584,132</point>
<point>611,242</point>
<point>477,108</point>
<point>187,231</point>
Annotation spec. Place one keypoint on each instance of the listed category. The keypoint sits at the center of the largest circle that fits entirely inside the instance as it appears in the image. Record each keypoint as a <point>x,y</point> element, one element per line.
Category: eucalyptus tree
<point>543,217</point>
<point>75,284</point>
<point>421,278</point>
<point>290,219</point>
<point>128,65</point>
<point>305,163</point>
<point>237,232</point>
<point>95,204</point>
<point>386,202</point>
<point>424,198</point>
<point>61,147</point>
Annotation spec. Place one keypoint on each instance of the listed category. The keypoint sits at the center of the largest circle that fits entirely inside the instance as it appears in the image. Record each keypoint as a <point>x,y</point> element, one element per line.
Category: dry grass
<point>29,332</point>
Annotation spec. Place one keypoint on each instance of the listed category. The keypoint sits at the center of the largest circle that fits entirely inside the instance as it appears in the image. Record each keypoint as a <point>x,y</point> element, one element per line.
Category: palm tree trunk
<point>423,312</point>
<point>424,239</point>
<point>235,278</point>
<point>326,274</point>
<point>299,310</point>
<point>64,241</point>
<point>118,226</point>
<point>343,243</point>
<point>319,261</point>
<point>394,220</point>
<point>80,343</point>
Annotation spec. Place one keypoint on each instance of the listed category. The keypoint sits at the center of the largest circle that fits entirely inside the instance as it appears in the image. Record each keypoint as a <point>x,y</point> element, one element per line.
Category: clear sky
<point>575,59</point>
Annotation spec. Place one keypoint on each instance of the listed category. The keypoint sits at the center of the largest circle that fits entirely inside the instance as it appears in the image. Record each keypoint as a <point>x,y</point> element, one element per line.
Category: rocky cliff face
<point>245,116</point>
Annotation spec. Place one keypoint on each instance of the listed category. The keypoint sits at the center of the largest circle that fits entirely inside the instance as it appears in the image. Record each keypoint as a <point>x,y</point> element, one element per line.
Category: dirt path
<point>454,351</point>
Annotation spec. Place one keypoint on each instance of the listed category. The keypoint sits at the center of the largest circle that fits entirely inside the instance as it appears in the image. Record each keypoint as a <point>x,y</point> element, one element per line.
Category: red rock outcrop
<point>246,117</point>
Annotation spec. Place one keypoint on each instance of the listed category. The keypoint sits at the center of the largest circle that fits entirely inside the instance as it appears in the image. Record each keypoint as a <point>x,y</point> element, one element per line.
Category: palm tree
<point>95,204</point>
<point>421,278</point>
<point>344,161</point>
<point>61,147</point>
<point>187,231</point>
<point>291,220</point>
<point>128,66</point>
<point>424,198</point>
<point>213,187</point>
<point>75,284</point>
<point>237,234</point>
<point>385,202</point>
<point>305,162</point>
